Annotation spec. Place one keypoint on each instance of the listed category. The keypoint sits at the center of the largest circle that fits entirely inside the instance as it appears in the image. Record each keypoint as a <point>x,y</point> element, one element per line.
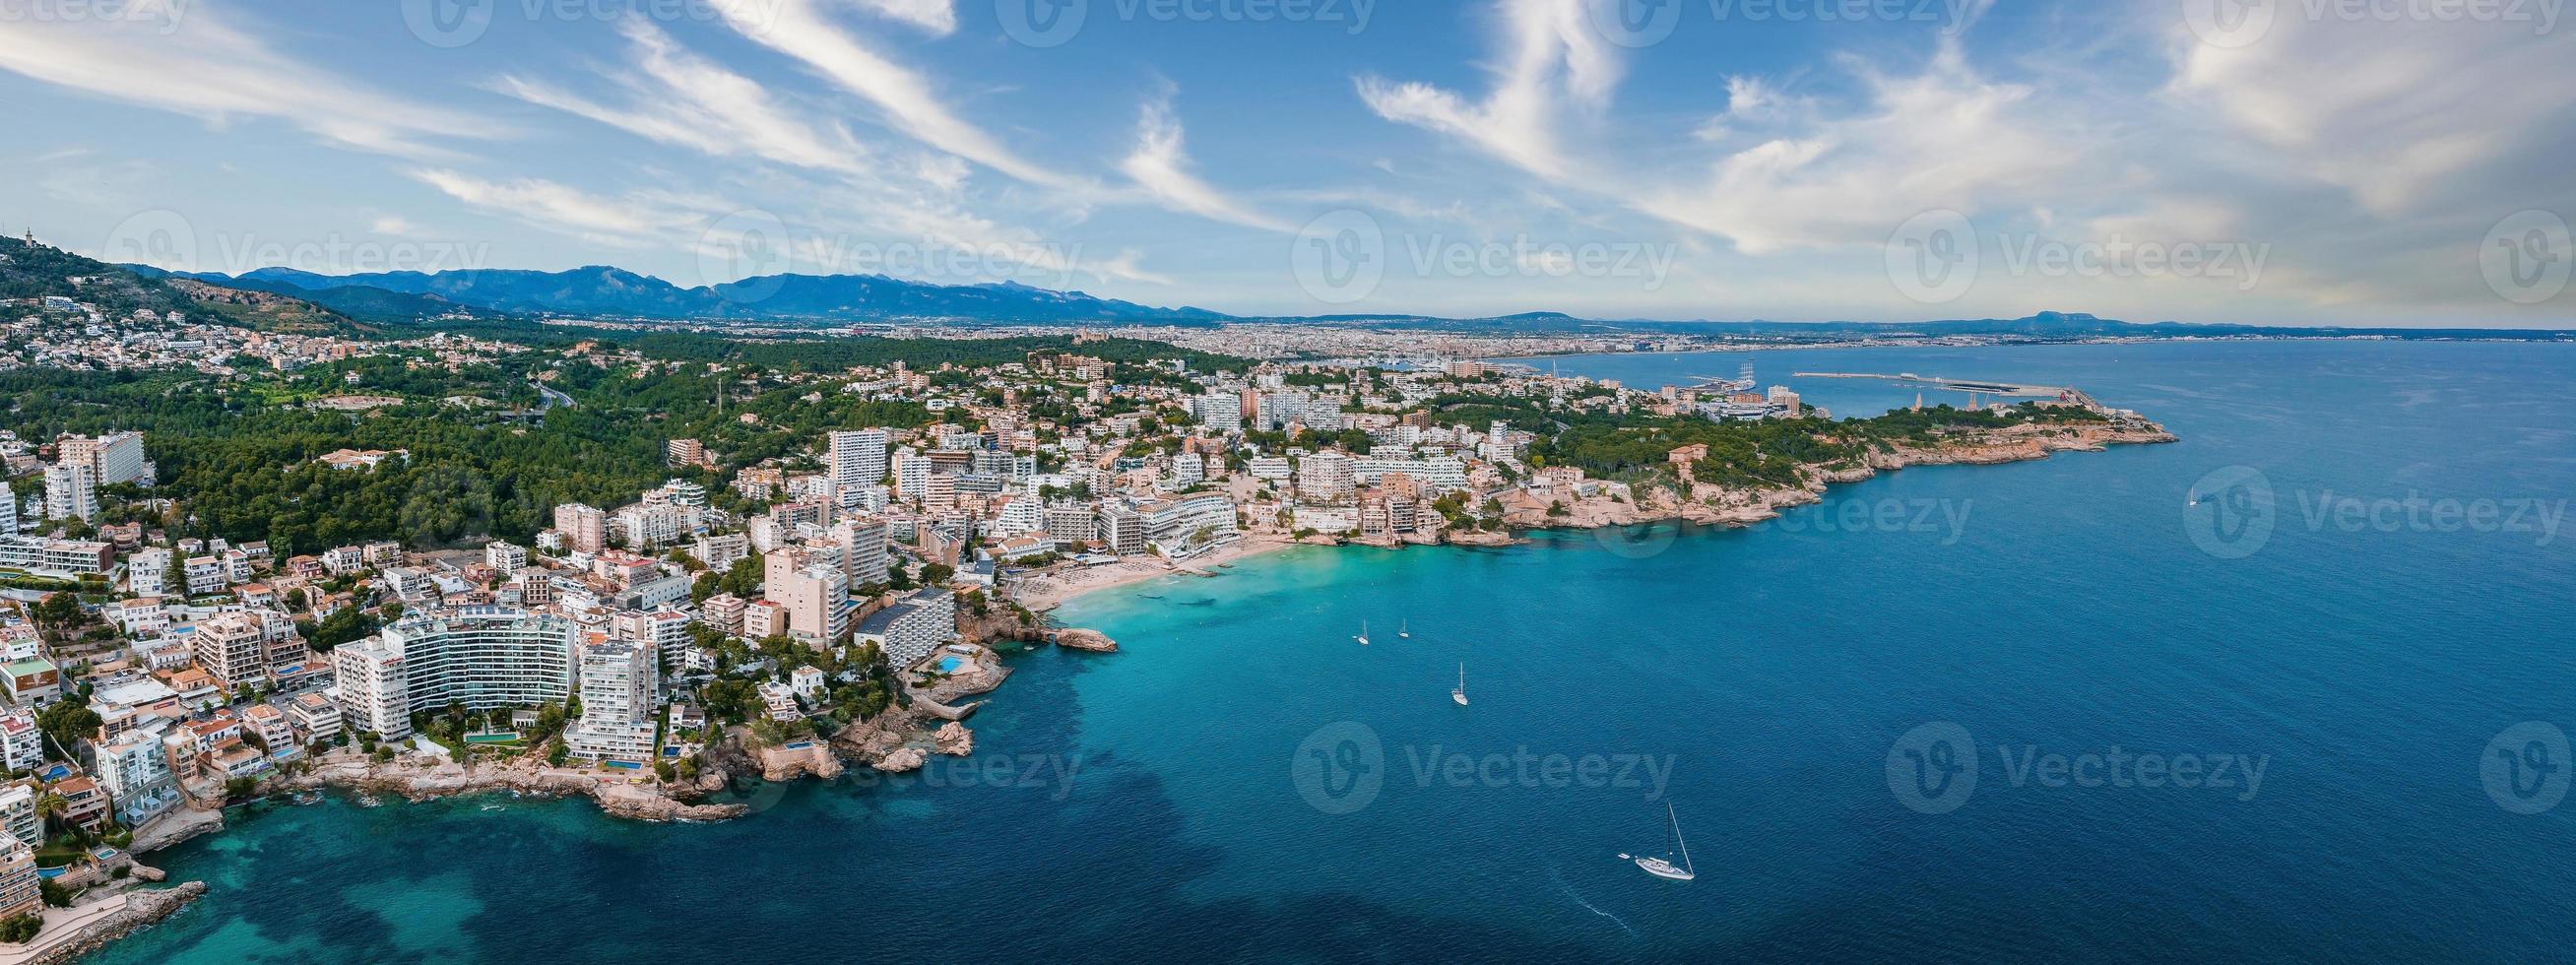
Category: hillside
<point>602,291</point>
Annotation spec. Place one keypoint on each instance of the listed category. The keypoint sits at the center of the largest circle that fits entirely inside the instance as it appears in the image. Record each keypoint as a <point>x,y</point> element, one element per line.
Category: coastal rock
<point>142,907</point>
<point>954,740</point>
<point>1091,641</point>
<point>904,759</point>
<point>780,764</point>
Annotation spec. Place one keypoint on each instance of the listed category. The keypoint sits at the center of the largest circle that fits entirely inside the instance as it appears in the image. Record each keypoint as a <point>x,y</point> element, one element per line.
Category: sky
<point>2286,162</point>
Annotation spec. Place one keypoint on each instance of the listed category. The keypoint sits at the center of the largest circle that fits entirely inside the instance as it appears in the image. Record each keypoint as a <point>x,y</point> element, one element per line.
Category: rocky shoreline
<point>412,782</point>
<point>143,908</point>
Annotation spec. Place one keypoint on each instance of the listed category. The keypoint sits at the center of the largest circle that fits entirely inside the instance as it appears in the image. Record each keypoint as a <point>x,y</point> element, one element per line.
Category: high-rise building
<point>813,594</point>
<point>1325,476</point>
<point>584,528</point>
<point>485,657</point>
<point>71,491</point>
<point>1221,411</point>
<point>911,474</point>
<point>20,893</point>
<point>234,648</point>
<point>373,685</point>
<point>863,541</point>
<point>113,458</point>
<point>617,685</point>
<point>857,460</point>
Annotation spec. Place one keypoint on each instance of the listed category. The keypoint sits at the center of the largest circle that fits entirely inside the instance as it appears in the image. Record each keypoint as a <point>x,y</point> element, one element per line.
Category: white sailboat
<point>1662,868</point>
<point>1363,637</point>
<point>1460,694</point>
<point>1404,629</point>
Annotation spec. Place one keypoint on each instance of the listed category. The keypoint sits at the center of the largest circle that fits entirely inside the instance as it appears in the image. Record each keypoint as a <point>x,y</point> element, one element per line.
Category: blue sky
<point>2272,161</point>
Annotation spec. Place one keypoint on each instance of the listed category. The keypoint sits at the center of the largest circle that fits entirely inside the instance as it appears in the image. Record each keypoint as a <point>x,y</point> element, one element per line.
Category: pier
<point>1972,386</point>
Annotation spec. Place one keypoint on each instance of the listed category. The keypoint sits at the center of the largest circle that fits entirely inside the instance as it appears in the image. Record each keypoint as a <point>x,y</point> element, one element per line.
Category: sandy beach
<point>1057,587</point>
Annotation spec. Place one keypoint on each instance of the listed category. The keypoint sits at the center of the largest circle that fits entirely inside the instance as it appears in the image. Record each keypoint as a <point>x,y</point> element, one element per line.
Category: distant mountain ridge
<point>604,291</point>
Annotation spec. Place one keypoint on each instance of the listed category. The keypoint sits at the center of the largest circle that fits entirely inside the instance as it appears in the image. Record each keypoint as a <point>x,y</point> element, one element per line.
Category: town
<point>830,562</point>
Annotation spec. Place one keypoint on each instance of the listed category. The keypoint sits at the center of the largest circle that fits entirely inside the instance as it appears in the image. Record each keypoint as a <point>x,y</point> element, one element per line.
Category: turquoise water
<point>1210,793</point>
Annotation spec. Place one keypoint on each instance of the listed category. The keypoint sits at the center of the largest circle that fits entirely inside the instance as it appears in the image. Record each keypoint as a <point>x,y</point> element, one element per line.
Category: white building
<point>617,685</point>
<point>485,657</point>
<point>374,697</point>
<point>858,461</point>
<point>147,573</point>
<point>505,557</point>
<point>909,630</point>
<point>71,491</point>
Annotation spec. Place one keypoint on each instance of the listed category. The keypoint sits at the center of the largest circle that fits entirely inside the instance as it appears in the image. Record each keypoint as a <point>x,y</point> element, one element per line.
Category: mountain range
<point>603,292</point>
<point>600,291</point>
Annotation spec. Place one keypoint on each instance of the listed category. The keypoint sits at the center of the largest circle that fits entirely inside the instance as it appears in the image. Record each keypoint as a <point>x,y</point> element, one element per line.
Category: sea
<point>2295,688</point>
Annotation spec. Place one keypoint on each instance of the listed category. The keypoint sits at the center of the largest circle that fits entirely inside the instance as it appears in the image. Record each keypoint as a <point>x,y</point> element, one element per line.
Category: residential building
<point>909,630</point>
<point>584,528</point>
<point>617,686</point>
<point>372,684</point>
<point>857,460</point>
<point>484,657</point>
<point>20,887</point>
<point>71,491</point>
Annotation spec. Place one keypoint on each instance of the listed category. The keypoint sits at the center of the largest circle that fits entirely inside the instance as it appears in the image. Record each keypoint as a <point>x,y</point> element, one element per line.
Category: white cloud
<point>1161,165</point>
<point>635,221</point>
<point>938,17</point>
<point>215,71</point>
<point>2398,113</point>
<point>1945,138</point>
<point>1549,54</point>
<point>799,30</point>
<point>678,98</point>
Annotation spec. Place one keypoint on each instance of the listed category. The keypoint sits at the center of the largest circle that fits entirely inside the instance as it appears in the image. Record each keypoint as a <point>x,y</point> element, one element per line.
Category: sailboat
<point>1663,868</point>
<point>1404,629</point>
<point>1363,637</point>
<point>1460,694</point>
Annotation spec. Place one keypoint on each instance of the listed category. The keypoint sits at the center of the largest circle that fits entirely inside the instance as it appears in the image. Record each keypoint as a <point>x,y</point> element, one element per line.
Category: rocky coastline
<point>143,908</point>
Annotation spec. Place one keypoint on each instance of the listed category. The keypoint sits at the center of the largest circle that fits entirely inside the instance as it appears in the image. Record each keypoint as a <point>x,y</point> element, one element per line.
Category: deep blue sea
<point>1246,782</point>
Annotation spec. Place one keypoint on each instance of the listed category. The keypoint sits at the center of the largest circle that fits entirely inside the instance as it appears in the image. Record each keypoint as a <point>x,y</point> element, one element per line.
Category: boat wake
<point>1588,906</point>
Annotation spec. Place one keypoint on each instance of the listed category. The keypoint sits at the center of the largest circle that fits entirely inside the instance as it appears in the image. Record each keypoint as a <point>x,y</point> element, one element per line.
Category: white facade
<point>71,491</point>
<point>617,684</point>
<point>858,461</point>
<point>374,697</point>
